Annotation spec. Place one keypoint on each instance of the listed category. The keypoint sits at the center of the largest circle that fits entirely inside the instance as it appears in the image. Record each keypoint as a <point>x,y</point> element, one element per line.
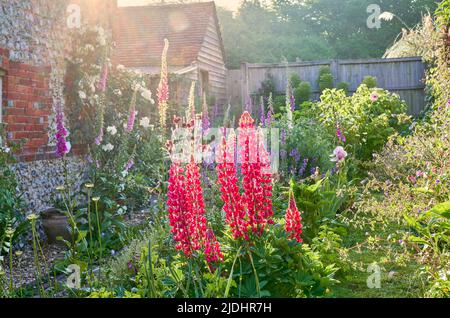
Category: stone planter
<point>55,224</point>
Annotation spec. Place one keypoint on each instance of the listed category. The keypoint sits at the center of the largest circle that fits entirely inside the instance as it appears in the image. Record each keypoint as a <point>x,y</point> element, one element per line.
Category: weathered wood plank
<point>404,76</point>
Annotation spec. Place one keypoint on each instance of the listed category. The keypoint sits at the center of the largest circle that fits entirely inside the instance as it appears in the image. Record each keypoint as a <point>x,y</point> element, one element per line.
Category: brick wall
<point>27,105</point>
<point>33,37</point>
<point>34,42</point>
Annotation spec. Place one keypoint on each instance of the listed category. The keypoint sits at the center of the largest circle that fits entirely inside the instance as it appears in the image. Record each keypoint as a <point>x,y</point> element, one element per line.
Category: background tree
<point>313,29</point>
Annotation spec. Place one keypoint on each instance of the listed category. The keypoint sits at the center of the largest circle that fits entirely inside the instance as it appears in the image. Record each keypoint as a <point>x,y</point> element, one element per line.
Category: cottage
<point>196,47</point>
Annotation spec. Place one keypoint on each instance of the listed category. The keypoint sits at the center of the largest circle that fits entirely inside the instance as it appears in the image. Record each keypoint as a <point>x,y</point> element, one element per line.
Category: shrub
<point>370,81</point>
<point>133,162</point>
<point>11,204</point>
<point>303,92</point>
<point>298,159</point>
<point>343,86</point>
<point>279,103</point>
<point>295,80</point>
<point>319,200</point>
<point>367,119</point>
<point>325,80</point>
<point>323,70</point>
<point>267,86</point>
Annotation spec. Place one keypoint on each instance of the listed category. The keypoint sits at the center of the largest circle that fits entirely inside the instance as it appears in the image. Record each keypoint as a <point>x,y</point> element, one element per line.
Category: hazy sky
<point>229,4</point>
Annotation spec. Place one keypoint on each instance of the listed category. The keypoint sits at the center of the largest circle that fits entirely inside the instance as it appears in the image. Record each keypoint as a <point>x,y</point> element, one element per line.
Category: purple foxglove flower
<point>292,102</point>
<point>62,145</point>
<point>292,170</point>
<point>295,154</point>
<point>131,120</point>
<point>262,113</point>
<point>249,106</point>
<point>129,165</point>
<point>283,137</point>
<point>206,124</point>
<point>340,135</point>
<point>104,79</point>
<point>303,167</point>
<point>269,118</point>
<point>99,139</point>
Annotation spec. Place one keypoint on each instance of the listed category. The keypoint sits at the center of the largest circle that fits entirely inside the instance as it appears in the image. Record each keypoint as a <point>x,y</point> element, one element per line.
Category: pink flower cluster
<point>186,209</point>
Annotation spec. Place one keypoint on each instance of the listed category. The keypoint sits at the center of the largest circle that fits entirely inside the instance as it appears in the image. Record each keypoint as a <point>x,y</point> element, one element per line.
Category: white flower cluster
<point>5,149</point>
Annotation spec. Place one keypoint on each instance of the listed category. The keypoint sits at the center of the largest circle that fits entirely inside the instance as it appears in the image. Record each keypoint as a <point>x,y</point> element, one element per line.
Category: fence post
<point>244,83</point>
<point>334,66</point>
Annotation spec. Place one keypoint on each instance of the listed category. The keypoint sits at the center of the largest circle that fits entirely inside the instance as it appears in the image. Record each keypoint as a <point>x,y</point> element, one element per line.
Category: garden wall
<point>33,46</point>
<point>404,76</point>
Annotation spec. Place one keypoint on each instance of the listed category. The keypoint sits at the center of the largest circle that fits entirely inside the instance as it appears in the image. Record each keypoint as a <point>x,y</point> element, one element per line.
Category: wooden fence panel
<point>403,76</point>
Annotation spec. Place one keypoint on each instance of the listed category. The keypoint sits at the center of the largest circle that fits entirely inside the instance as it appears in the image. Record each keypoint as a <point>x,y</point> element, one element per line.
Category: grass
<point>396,281</point>
<point>398,267</point>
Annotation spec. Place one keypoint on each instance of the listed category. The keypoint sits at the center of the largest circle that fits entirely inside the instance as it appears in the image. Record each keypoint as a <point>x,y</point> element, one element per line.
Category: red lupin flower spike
<point>195,205</point>
<point>229,187</point>
<point>212,247</point>
<point>254,158</point>
<point>293,220</point>
<point>179,217</point>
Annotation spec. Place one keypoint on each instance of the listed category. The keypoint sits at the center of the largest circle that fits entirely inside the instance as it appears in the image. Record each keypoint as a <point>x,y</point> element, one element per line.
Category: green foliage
<point>273,267</point>
<point>438,74</point>
<point>267,86</point>
<point>298,159</point>
<point>279,104</point>
<point>325,80</point>
<point>368,118</point>
<point>321,199</point>
<point>312,30</point>
<point>432,228</point>
<point>343,86</point>
<point>370,81</point>
<point>409,184</point>
<point>294,80</point>
<point>284,269</point>
<point>443,13</point>
<point>11,204</point>
<point>303,92</point>
<point>324,70</point>
<point>90,52</point>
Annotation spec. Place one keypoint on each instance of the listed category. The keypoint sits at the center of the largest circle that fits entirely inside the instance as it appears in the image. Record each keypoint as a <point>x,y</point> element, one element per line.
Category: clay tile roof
<point>139,33</point>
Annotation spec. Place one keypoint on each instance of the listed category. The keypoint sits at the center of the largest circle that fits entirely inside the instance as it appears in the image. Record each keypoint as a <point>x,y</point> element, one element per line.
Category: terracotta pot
<point>55,224</point>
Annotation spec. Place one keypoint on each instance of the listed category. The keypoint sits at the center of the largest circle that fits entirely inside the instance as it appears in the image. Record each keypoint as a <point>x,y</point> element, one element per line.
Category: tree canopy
<point>290,30</point>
